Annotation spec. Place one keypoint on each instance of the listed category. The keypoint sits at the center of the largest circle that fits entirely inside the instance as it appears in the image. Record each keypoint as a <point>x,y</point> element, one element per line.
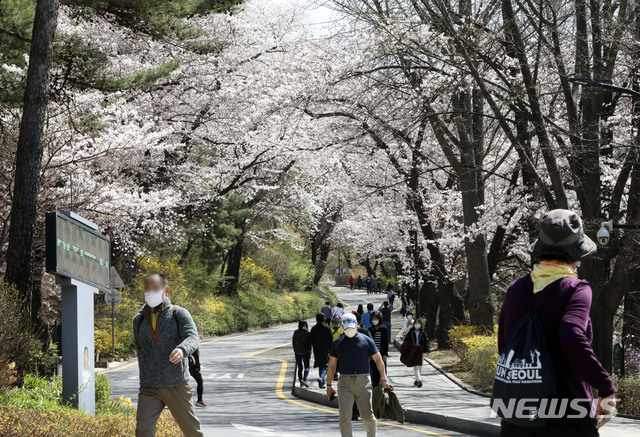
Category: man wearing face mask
<point>164,336</point>
<point>351,354</point>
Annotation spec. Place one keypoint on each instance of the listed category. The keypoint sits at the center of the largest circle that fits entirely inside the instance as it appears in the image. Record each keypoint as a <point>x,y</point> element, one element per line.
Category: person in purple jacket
<point>560,247</point>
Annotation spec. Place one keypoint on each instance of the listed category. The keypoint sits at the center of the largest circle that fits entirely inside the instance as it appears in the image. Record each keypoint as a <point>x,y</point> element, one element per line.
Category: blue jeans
<point>322,371</point>
<point>388,326</point>
<point>300,359</point>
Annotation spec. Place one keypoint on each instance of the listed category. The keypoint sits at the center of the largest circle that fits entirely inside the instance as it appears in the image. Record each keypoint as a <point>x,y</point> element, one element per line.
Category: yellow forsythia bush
<point>102,339</point>
<point>458,334</point>
<point>478,353</point>
<point>250,272</point>
<point>481,358</point>
<point>18,422</point>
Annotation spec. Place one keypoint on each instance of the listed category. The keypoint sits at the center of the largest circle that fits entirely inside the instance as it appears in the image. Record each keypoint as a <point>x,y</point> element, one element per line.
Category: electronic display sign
<point>77,251</point>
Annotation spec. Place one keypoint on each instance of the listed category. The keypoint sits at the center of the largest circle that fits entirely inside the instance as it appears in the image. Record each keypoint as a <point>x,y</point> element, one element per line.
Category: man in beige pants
<point>351,354</point>
<point>164,336</point>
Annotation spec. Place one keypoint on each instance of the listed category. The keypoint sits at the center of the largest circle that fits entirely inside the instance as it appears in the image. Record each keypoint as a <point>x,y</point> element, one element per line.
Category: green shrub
<point>628,395</point>
<point>37,393</point>
<point>15,335</point>
<point>21,422</point>
<point>103,392</point>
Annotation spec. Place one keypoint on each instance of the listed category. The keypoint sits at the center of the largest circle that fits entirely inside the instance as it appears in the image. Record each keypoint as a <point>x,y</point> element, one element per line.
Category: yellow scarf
<point>548,272</point>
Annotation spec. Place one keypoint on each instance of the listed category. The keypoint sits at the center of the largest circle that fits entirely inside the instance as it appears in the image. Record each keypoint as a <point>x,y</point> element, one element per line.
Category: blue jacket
<point>366,320</point>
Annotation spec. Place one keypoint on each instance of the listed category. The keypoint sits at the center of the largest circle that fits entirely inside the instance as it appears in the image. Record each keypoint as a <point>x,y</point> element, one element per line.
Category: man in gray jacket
<point>164,336</point>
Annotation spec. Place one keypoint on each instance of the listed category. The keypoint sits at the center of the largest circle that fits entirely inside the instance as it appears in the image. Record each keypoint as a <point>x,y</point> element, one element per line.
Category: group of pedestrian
<point>548,309</point>
<point>374,284</point>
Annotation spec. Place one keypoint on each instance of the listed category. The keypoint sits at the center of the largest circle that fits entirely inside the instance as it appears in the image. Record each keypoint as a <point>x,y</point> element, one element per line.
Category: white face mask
<point>153,298</point>
<point>351,332</point>
<point>375,322</point>
<point>417,326</point>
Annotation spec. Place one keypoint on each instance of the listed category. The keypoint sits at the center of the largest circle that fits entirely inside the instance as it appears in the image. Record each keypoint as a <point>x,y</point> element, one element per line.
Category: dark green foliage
<point>159,18</point>
<point>78,63</point>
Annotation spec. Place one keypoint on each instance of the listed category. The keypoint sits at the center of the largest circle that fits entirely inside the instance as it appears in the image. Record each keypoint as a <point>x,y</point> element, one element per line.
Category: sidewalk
<point>443,403</point>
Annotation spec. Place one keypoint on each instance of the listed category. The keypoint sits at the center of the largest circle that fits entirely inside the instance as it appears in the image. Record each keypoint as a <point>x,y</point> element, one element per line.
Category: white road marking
<point>226,376</point>
<point>258,431</point>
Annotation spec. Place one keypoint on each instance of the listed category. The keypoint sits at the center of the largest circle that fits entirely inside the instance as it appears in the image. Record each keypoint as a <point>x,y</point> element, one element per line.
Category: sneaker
<point>419,384</point>
<point>201,404</point>
<point>415,383</point>
<point>303,383</point>
<point>320,383</point>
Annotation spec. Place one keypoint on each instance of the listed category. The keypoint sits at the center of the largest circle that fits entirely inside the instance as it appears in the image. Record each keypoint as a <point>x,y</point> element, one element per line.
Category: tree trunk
<point>430,304</point>
<point>469,120</point>
<point>366,263</point>
<point>321,262</point>
<point>29,156</point>
<point>232,274</point>
<point>347,258</point>
<point>384,271</point>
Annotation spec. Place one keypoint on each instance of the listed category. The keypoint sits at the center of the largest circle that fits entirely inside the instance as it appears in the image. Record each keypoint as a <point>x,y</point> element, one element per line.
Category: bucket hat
<point>561,233</point>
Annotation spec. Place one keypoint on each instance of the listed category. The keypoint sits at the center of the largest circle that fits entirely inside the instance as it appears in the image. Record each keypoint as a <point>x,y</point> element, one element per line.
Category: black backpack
<point>525,381</point>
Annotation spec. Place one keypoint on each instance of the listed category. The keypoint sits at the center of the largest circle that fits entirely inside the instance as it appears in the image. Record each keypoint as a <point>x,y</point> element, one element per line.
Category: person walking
<point>416,337</point>
<point>194,371</point>
<point>301,342</point>
<point>360,310</point>
<point>321,341</point>
<point>366,317</point>
<point>369,282</point>
<point>562,303</point>
<point>390,298</point>
<point>327,311</point>
<point>359,282</point>
<point>351,355</point>
<point>351,281</point>
<point>407,324</point>
<point>385,310</point>
<point>164,335</point>
<point>380,337</point>
<point>338,311</point>
<point>379,285</point>
<point>405,304</point>
<point>336,327</point>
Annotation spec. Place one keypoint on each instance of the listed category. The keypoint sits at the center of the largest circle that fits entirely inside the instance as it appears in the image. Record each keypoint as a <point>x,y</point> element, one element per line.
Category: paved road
<point>248,385</point>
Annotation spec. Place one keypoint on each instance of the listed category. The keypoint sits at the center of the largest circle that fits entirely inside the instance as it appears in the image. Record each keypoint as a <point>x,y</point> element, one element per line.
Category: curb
<point>451,423</point>
<point>452,378</point>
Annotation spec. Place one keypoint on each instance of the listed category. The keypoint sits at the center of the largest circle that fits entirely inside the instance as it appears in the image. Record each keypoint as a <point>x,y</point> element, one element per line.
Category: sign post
<point>113,299</point>
<point>80,258</point>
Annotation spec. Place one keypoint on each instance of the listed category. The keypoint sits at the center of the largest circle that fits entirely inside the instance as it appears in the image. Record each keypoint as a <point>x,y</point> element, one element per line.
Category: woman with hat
<point>562,302</point>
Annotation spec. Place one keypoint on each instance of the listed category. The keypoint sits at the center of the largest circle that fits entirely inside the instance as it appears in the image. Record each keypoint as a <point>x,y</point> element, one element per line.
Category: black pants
<point>570,429</point>
<point>302,362</point>
<point>195,374</point>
